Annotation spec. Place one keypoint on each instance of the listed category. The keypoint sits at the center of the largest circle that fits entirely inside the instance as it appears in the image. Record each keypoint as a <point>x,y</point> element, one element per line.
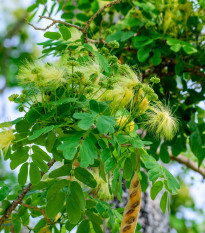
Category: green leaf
<point>88,47</point>
<point>56,187</point>
<point>55,204</point>
<point>68,15</point>
<point>34,173</point>
<point>103,62</point>
<point>126,35</point>
<point>127,170</point>
<point>156,58</point>
<point>172,183</point>
<point>188,49</point>
<point>154,173</point>
<point>37,133</point>
<point>84,227</point>
<point>87,153</point>
<point>115,36</point>
<point>69,226</point>
<point>33,114</point>
<point>23,174</point>
<point>63,101</point>
<point>42,154</point>
<point>23,126</point>
<point>105,124</point>
<point>69,147</point>
<point>4,191</point>
<point>105,154</point>
<point>40,225</point>
<point>93,217</point>
<point>39,162</point>
<point>77,192</point>
<point>62,171</point>
<point>109,164</point>
<point>164,154</point>
<point>65,32</point>
<point>163,202</point>
<point>4,205</point>
<point>82,17</point>
<point>171,41</point>
<point>141,41</point>
<point>18,157</point>
<point>156,188</point>
<point>97,107</point>
<point>32,7</point>
<point>85,177</point>
<point>196,142</point>
<point>52,35</point>
<point>143,54</point>
<point>144,182</point>
<point>51,139</point>
<point>73,210</point>
<point>86,121</point>
<point>176,47</point>
<point>137,142</point>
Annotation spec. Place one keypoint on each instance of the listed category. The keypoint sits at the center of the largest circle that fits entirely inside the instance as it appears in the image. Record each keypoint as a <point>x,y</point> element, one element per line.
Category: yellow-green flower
<point>102,190</point>
<point>41,74</point>
<point>160,122</point>
<point>6,138</point>
<point>124,120</point>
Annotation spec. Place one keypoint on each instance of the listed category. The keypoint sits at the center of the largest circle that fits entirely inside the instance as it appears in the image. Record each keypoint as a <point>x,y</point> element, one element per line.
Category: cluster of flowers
<point>80,76</point>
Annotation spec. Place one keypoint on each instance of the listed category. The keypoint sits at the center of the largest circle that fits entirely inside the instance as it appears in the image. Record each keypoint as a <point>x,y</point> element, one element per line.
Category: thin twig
<point>41,29</point>
<point>20,197</point>
<point>87,24</point>
<point>62,22</point>
<point>38,209</point>
<point>190,164</point>
<point>53,23</point>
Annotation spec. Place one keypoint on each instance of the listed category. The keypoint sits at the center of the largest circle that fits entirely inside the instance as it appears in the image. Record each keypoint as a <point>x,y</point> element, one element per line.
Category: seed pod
<point>131,212</point>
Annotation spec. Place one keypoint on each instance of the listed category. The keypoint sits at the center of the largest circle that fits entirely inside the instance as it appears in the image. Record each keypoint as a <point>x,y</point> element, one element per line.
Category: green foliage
<point>83,110</point>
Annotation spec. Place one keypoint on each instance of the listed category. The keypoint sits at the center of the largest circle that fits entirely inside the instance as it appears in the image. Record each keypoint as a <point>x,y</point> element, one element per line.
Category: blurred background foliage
<point>157,37</point>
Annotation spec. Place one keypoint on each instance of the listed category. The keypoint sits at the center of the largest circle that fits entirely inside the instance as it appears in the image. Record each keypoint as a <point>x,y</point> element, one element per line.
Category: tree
<point>85,109</point>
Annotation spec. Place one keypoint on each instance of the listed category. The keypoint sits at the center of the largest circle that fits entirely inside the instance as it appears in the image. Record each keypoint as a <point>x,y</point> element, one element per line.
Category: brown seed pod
<point>132,209</point>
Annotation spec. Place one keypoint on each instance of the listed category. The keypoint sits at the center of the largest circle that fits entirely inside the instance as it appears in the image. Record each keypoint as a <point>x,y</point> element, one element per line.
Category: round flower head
<point>28,72</point>
<point>51,75</point>
<point>161,123</point>
<point>6,138</point>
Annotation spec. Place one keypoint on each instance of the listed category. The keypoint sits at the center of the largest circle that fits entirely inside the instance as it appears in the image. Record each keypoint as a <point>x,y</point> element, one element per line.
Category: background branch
<point>188,163</point>
<point>20,197</point>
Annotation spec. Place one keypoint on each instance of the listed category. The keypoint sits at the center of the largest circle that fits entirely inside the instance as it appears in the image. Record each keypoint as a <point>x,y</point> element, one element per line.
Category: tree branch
<point>190,164</point>
<point>40,29</point>
<point>62,22</point>
<point>21,196</point>
<point>87,24</point>
<point>38,209</point>
<point>53,23</point>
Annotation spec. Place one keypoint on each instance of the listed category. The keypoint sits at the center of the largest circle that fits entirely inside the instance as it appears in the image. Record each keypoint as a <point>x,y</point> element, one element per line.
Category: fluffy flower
<point>161,123</point>
<point>41,74</point>
<point>28,72</point>
<point>53,75</point>
<point>102,190</point>
<point>6,138</point>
